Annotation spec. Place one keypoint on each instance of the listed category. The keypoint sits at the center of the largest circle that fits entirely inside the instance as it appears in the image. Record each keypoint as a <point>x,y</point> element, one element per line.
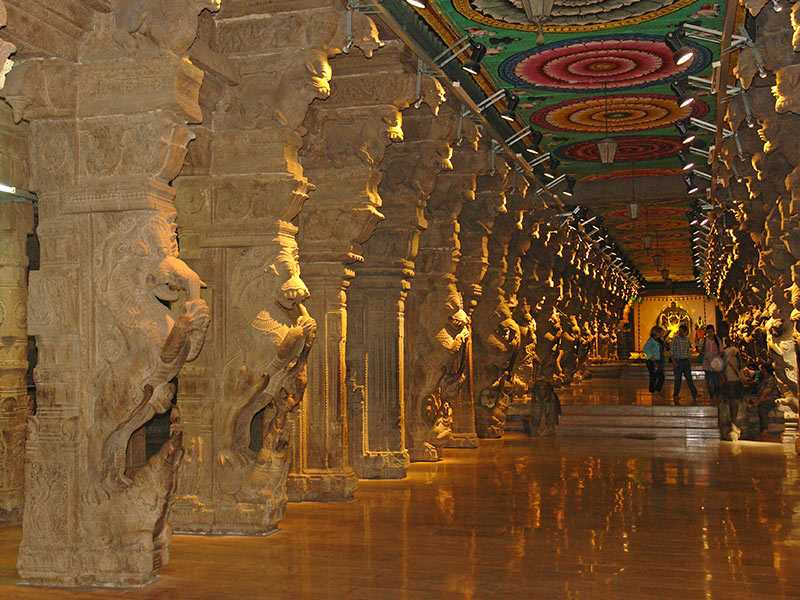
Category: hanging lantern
<point>657,259</point>
<point>647,240</point>
<point>665,274</point>
<point>633,210</point>
<point>607,149</point>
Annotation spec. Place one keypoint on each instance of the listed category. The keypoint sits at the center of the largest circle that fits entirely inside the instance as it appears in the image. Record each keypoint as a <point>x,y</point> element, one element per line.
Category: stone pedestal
<point>16,222</point>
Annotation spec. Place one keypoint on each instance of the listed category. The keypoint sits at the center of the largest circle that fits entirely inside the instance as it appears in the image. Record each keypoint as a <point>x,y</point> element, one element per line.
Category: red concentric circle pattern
<point>634,148</point>
<point>597,64</point>
<point>628,174</point>
<point>615,114</point>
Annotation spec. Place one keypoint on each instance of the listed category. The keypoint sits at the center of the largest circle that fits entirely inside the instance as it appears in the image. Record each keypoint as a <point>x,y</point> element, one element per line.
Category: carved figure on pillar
<point>117,315</point>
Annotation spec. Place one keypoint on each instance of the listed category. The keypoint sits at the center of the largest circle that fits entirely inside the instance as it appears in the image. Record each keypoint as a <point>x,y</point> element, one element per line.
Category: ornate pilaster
<point>342,154</point>
<point>472,161</point>
<point>376,341</point>
<point>496,351</point>
<point>108,135</point>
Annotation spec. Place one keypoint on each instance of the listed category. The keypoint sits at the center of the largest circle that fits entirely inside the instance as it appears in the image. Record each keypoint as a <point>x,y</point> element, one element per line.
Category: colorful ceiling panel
<point>595,69</point>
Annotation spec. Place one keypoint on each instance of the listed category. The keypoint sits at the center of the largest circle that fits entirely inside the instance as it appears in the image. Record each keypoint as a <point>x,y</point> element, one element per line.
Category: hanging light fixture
<point>647,240</point>
<point>606,147</point>
<point>665,274</point>
<point>633,205</point>
<point>658,259</point>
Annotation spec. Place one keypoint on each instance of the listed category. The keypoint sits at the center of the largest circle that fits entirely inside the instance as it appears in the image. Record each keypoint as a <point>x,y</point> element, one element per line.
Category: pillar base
<point>383,465</point>
<point>243,519</point>
<point>90,569</point>
<point>463,440</point>
<point>322,486</point>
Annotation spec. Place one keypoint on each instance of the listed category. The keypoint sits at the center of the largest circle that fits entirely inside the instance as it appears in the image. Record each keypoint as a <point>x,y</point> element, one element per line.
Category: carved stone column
<point>342,154</point>
<point>475,221</point>
<point>437,325</point>
<point>108,135</point>
<point>376,338</point>
<point>498,336</point>
<point>16,222</point>
<point>239,199</point>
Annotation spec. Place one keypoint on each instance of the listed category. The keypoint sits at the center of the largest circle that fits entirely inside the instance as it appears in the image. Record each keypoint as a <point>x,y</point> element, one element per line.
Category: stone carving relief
<point>438,361</point>
<point>266,378</point>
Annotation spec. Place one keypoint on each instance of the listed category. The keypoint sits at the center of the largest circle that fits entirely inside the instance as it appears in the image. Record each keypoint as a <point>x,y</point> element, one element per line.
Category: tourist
<point>654,353</point>
<point>732,410</point>
<point>713,364</point>
<point>680,352</point>
<point>768,393</point>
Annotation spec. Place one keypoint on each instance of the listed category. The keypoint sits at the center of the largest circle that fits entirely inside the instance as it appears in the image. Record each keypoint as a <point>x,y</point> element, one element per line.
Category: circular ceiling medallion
<point>568,15</point>
<point>617,114</point>
<point>623,61</point>
<point>628,174</point>
<point>629,149</point>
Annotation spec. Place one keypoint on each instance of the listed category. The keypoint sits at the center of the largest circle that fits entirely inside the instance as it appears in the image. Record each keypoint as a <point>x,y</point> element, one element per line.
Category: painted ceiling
<point>597,69</point>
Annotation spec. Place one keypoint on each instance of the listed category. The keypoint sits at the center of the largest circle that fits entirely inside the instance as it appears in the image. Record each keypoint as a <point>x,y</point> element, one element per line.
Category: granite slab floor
<point>518,518</point>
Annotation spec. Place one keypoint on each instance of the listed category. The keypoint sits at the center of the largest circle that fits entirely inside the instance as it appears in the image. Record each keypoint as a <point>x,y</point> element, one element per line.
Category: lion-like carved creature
<point>437,372</point>
<point>496,342</point>
<point>144,343</point>
<point>266,374</point>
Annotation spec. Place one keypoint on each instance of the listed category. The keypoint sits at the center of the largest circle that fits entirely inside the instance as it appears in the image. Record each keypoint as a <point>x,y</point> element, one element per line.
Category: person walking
<point>680,352</point>
<point>654,353</point>
<point>711,349</point>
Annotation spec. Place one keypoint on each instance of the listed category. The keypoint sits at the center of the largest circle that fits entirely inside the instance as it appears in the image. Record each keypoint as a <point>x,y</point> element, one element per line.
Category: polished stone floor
<point>519,518</point>
<point>605,389</point>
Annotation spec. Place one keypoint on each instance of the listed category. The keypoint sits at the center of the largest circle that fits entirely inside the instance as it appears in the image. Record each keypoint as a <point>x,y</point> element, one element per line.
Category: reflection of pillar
<point>108,135</point>
<point>16,222</point>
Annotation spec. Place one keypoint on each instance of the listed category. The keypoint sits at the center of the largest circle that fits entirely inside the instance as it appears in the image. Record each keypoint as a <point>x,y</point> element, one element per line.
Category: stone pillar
<point>108,135</point>
<point>342,153</point>
<point>437,325</point>
<point>376,340</point>
<point>239,200</point>
<point>473,161</point>
<point>16,222</point>
<point>498,337</point>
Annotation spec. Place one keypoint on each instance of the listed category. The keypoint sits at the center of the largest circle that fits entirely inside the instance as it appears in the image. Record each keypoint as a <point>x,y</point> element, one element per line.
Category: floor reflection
<point>518,518</point>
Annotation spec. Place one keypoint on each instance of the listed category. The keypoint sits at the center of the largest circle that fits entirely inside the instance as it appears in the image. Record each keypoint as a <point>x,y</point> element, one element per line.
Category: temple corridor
<point>519,517</point>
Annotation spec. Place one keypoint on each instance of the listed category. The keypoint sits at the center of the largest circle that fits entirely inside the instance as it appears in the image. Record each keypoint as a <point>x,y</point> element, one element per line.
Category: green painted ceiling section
<point>601,64</point>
